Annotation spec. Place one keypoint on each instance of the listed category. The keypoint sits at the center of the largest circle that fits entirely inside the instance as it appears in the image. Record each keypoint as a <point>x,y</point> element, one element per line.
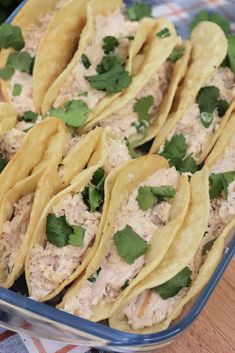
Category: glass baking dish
<point>19,313</point>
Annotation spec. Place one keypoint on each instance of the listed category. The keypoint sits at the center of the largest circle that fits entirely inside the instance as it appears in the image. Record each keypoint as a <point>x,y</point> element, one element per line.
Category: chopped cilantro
<point>74,113</point>
<point>207,247</point>
<point>138,11</point>
<point>170,288</point>
<point>93,194</point>
<point>222,107</point>
<point>231,52</point>
<point>11,37</point>
<point>58,230</point>
<point>27,130</point>
<point>176,54</point>
<point>29,117</point>
<point>86,61</point>
<point>76,238</point>
<point>219,183</point>
<point>141,126</point>
<point>6,73</point>
<point>129,244</point>
<point>164,33</point>
<point>175,151</point>
<point>83,94</point>
<point>142,106</point>
<point>130,37</point>
<point>215,17</point>
<point>149,195</point>
<point>109,44</point>
<point>93,278</point>
<point>132,151</point>
<point>206,118</point>
<point>3,162</point>
<point>125,284</point>
<point>21,61</point>
<point>16,90</point>
<point>111,75</point>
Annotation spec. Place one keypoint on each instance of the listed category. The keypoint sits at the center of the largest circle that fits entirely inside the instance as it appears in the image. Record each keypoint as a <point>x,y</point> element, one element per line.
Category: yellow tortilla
<point>209,49</point>
<point>94,9</point>
<point>155,53</point>
<point>8,118</point>
<point>160,241</point>
<point>180,253</point>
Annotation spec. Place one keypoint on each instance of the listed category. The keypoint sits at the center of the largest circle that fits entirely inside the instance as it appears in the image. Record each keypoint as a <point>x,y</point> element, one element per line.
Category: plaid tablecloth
<point>181,13</point>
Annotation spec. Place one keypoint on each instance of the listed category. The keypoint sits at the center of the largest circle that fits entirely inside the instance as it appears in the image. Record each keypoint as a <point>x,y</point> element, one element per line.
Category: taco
<point>142,110</point>
<point>137,233</point>
<point>18,84</point>
<point>160,298</point>
<point>102,66</point>
<point>29,154</point>
<point>205,101</point>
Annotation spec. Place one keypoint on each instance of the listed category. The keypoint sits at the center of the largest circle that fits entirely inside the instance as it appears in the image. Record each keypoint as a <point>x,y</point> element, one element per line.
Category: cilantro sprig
<point>60,233</point>
<point>219,184</point>
<point>93,194</point>
<point>109,44</point>
<point>142,107</point>
<point>11,37</point>
<point>175,151</point>
<point>85,61</point>
<point>16,91</point>
<point>29,117</point>
<point>172,287</point>
<point>208,246</point>
<point>148,196</point>
<point>164,33</point>
<point>129,244</point>
<point>74,113</point>
<point>176,54</point>
<point>93,278</point>
<point>132,151</point>
<point>138,11</point>
<point>111,75</point>
<point>3,162</point>
<point>21,61</point>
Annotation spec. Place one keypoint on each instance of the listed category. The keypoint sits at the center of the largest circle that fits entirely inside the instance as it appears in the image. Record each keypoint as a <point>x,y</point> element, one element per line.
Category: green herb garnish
<point>207,247</point>
<point>132,151</point>
<point>219,183</point>
<point>58,230</point>
<point>29,117</point>
<point>142,106</point>
<point>74,113</point>
<point>20,61</point>
<point>129,244</point>
<point>176,54</point>
<point>222,106</point>
<point>16,90</point>
<point>77,237</point>
<point>164,33</point>
<point>109,44</point>
<point>175,151</point>
<point>125,284</point>
<point>86,61</point>
<point>111,75</point>
<point>6,73</point>
<point>11,37</point>
<point>93,278</point>
<point>148,196</point>
<point>172,287</point>
<point>3,162</point>
<point>93,194</point>
<point>138,11</point>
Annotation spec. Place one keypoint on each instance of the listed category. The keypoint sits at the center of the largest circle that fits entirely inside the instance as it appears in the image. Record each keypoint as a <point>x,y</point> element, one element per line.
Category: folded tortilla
<point>157,78</point>
<point>48,19</point>
<point>204,70</point>
<point>102,21</point>
<point>105,282</point>
<point>8,118</point>
<point>184,247</point>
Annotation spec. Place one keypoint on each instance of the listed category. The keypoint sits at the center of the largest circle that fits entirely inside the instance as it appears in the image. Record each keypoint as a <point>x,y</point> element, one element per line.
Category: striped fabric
<point>181,13</point>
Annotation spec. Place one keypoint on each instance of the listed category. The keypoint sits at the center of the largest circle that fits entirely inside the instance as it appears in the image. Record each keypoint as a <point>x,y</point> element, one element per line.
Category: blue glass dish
<point>20,313</point>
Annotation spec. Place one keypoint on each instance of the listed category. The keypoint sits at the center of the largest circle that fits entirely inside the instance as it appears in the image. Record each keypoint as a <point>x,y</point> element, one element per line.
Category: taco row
<point>127,237</point>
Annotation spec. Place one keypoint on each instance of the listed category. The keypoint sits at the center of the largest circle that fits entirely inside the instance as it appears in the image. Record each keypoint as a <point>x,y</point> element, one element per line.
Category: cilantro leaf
<point>215,17</point>
<point>222,107</point>
<point>29,117</point>
<point>93,194</point>
<point>6,73</point>
<point>207,99</point>
<point>83,94</point>
<point>125,284</point>
<point>170,288</point>
<point>111,76</point>
<point>129,244</point>
<point>86,61</point>
<point>58,230</point>
<point>93,278</point>
<point>132,151</point>
<point>77,238</point>
<point>207,247</point>
<point>74,113</point>
<point>3,162</point>
<point>149,195</point>
<point>206,119</point>
<point>21,61</point>
<point>109,44</point>
<point>138,11</point>
<point>164,33</point>
<point>11,37</point>
<point>219,183</point>
<point>16,90</point>
<point>176,54</point>
<point>231,52</point>
<point>142,106</point>
<point>175,151</point>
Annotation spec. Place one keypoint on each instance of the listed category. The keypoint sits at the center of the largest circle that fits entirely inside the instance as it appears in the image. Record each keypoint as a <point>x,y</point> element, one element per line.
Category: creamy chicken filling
<point>13,232</point>
<point>114,272</point>
<point>76,84</point>
<point>50,265</point>
<point>190,125</point>
<point>117,153</point>
<point>125,122</point>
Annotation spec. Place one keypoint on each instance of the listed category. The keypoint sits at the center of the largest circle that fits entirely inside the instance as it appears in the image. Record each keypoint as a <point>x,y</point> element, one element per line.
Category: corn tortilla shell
<point>8,117</point>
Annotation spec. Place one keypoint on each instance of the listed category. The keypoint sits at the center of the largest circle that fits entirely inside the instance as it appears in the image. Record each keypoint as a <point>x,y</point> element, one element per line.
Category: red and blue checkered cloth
<point>181,13</point>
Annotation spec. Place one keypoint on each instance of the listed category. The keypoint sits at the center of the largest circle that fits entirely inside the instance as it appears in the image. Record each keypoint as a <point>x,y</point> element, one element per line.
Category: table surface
<point>214,330</point>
